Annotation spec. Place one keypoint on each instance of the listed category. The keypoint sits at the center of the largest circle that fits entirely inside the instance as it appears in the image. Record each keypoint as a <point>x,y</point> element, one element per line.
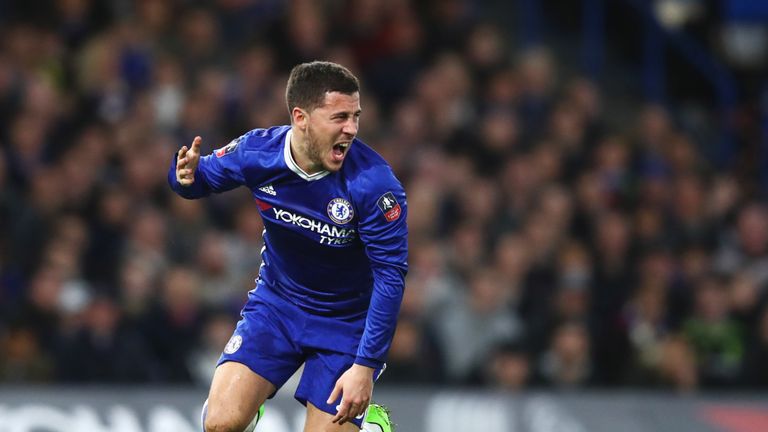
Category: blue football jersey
<point>335,243</point>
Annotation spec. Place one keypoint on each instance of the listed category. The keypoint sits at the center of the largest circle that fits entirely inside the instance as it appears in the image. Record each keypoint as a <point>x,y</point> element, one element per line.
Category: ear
<point>299,117</point>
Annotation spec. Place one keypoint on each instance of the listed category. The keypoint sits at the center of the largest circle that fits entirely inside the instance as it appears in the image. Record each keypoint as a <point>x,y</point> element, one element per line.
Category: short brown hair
<point>309,82</point>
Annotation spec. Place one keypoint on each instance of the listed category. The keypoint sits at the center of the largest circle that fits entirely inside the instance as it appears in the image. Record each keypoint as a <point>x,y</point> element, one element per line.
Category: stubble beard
<point>314,153</point>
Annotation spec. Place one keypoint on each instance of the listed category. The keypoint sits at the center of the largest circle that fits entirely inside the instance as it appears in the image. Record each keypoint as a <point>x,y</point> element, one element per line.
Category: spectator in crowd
<point>216,331</point>
<point>470,322</point>
<point>105,349</point>
<point>678,368</point>
<point>173,325</point>
<point>646,333</point>
<point>566,364</point>
<point>754,373</point>
<point>24,360</point>
<point>508,368</point>
<point>716,338</point>
<point>413,357</point>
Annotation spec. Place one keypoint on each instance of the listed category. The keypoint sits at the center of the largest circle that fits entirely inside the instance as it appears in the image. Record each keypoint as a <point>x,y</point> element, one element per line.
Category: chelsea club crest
<point>340,211</point>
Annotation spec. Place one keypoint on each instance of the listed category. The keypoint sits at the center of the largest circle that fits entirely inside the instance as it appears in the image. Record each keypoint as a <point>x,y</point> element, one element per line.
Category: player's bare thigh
<point>235,396</point>
<point>320,421</point>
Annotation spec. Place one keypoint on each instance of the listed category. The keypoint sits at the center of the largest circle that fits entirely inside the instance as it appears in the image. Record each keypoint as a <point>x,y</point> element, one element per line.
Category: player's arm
<point>384,232</point>
<point>193,176</point>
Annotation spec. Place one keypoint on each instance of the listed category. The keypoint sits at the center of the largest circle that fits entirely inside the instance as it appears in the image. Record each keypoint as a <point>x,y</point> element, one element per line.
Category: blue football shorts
<point>274,337</point>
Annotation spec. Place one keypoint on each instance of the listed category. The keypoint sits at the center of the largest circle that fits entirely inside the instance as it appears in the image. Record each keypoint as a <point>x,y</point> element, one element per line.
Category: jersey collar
<point>293,166</point>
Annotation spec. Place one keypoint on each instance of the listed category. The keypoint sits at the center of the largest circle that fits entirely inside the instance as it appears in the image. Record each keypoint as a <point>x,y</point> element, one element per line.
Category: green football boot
<point>377,419</point>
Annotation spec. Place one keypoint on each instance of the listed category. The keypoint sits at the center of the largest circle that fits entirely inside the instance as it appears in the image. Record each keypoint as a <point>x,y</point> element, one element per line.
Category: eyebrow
<point>338,113</point>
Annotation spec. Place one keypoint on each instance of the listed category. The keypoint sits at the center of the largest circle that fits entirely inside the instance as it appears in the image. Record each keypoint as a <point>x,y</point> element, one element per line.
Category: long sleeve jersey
<point>335,243</point>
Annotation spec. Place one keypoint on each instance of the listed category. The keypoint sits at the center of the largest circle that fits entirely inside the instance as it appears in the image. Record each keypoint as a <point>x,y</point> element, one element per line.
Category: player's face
<point>331,128</point>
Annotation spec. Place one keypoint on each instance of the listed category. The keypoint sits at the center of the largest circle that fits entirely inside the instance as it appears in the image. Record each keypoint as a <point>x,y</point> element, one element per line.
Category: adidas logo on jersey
<point>268,189</point>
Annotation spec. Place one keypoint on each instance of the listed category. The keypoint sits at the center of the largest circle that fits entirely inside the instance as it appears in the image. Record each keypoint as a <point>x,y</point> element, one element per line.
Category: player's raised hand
<point>186,162</point>
<point>355,387</point>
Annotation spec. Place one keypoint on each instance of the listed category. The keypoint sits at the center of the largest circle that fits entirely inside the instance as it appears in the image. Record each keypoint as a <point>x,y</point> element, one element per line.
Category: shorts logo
<point>229,148</point>
<point>340,210</point>
<point>234,344</point>
<point>389,206</point>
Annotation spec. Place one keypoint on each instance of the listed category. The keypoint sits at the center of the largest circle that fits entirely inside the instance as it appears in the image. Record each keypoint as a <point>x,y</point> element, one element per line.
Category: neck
<point>300,152</point>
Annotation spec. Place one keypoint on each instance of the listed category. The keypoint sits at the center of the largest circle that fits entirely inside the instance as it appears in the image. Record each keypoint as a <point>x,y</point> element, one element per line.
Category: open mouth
<point>339,150</point>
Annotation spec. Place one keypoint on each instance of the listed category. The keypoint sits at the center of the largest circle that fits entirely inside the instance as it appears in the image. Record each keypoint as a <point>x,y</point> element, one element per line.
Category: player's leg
<point>376,420</point>
<point>235,397</point>
<point>321,421</point>
<point>251,426</point>
<point>257,361</point>
<point>321,370</point>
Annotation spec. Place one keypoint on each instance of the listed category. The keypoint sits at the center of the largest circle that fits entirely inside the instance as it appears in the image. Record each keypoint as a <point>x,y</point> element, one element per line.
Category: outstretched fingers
<point>181,156</point>
<point>186,162</point>
<point>196,144</point>
<point>184,171</point>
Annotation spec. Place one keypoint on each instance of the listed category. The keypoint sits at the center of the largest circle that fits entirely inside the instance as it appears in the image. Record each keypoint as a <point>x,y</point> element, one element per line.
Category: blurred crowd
<point>551,246</point>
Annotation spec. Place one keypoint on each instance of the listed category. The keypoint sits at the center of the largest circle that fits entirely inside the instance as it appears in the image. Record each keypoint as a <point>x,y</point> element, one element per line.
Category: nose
<point>350,127</point>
